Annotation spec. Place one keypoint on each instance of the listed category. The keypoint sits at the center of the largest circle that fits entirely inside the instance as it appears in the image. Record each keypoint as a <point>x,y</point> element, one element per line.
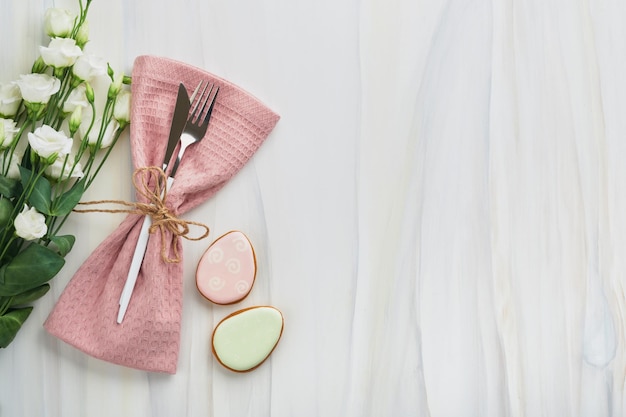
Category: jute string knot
<point>163,219</point>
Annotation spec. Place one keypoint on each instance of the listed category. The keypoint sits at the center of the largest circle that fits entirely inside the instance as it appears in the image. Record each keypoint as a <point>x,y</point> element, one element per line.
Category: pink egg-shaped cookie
<point>227,270</point>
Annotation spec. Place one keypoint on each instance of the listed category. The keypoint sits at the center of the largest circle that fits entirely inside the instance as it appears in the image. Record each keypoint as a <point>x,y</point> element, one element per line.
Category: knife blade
<point>181,111</point>
<point>179,119</point>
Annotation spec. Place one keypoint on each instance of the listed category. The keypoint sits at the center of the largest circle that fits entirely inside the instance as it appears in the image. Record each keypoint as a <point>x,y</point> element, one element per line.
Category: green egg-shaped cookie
<point>245,339</point>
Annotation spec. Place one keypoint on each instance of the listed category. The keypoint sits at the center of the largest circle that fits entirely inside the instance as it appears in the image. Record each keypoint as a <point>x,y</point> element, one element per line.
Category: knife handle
<point>135,265</point>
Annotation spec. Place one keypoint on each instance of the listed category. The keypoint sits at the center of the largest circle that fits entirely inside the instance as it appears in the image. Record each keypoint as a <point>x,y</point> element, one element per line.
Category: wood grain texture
<point>439,214</point>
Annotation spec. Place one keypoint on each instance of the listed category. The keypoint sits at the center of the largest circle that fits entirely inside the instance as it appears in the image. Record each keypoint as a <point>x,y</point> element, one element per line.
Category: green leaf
<point>64,243</point>
<point>10,324</point>
<point>9,187</point>
<point>42,191</point>
<point>30,268</point>
<point>6,212</point>
<point>66,202</point>
<point>30,295</point>
<point>41,196</point>
<point>25,175</point>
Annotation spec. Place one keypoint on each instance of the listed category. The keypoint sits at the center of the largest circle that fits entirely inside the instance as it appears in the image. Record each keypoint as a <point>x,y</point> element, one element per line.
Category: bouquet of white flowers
<point>53,142</point>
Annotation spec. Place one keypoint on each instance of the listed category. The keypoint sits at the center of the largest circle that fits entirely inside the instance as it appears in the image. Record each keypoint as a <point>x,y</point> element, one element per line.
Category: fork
<point>195,129</point>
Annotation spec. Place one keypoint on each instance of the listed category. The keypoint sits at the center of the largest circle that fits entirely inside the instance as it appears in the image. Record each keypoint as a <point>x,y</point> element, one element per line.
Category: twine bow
<point>162,217</point>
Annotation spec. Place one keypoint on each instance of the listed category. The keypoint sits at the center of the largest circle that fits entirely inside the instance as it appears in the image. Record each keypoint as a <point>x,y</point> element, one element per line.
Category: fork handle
<point>185,141</point>
<point>135,265</point>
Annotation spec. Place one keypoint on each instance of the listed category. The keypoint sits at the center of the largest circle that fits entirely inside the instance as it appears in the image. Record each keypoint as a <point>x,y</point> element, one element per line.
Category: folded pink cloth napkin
<point>149,337</point>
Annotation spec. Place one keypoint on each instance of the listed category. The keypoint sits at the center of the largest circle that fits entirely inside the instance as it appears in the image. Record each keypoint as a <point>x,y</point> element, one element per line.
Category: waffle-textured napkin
<point>149,337</point>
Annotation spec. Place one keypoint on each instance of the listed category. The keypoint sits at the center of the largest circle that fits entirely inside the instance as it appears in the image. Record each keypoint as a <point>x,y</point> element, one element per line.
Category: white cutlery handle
<point>135,265</point>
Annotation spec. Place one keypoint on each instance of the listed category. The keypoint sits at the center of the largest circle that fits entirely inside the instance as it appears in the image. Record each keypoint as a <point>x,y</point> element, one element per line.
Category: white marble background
<point>440,213</point>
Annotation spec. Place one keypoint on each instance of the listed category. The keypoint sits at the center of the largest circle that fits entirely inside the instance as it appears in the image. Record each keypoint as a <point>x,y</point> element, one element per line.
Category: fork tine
<point>205,101</point>
<point>210,110</point>
<point>193,115</point>
<point>193,95</point>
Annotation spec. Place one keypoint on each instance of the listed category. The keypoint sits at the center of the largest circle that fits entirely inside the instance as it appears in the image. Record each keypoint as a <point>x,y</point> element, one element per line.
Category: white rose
<point>121,112</point>
<point>58,22</point>
<point>46,141</point>
<point>77,98</point>
<point>38,88</point>
<point>89,66</point>
<point>30,224</point>
<point>8,129</point>
<point>62,169</point>
<point>60,52</point>
<point>10,98</point>
<point>13,170</point>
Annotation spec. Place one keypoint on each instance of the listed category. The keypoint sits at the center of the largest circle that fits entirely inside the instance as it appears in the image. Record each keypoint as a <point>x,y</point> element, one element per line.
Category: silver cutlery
<point>197,124</point>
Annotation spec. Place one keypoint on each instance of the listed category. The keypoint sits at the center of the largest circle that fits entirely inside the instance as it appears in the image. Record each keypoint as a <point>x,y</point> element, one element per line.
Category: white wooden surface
<point>440,214</point>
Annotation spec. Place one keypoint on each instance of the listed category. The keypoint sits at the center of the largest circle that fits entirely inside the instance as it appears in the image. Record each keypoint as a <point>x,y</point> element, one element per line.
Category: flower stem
<point>107,114</point>
<point>118,133</point>
<point>6,248</point>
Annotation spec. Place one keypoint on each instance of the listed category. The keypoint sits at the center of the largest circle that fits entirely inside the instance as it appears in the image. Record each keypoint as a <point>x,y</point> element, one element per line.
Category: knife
<point>179,119</point>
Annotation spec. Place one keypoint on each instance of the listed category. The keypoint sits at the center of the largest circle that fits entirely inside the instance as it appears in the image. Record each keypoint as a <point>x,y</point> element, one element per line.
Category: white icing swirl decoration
<point>242,287</point>
<point>216,283</point>
<point>233,265</point>
<point>241,244</point>
<point>216,255</point>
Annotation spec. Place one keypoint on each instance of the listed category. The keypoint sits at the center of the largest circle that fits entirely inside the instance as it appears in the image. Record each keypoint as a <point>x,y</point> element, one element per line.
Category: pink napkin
<point>149,337</point>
